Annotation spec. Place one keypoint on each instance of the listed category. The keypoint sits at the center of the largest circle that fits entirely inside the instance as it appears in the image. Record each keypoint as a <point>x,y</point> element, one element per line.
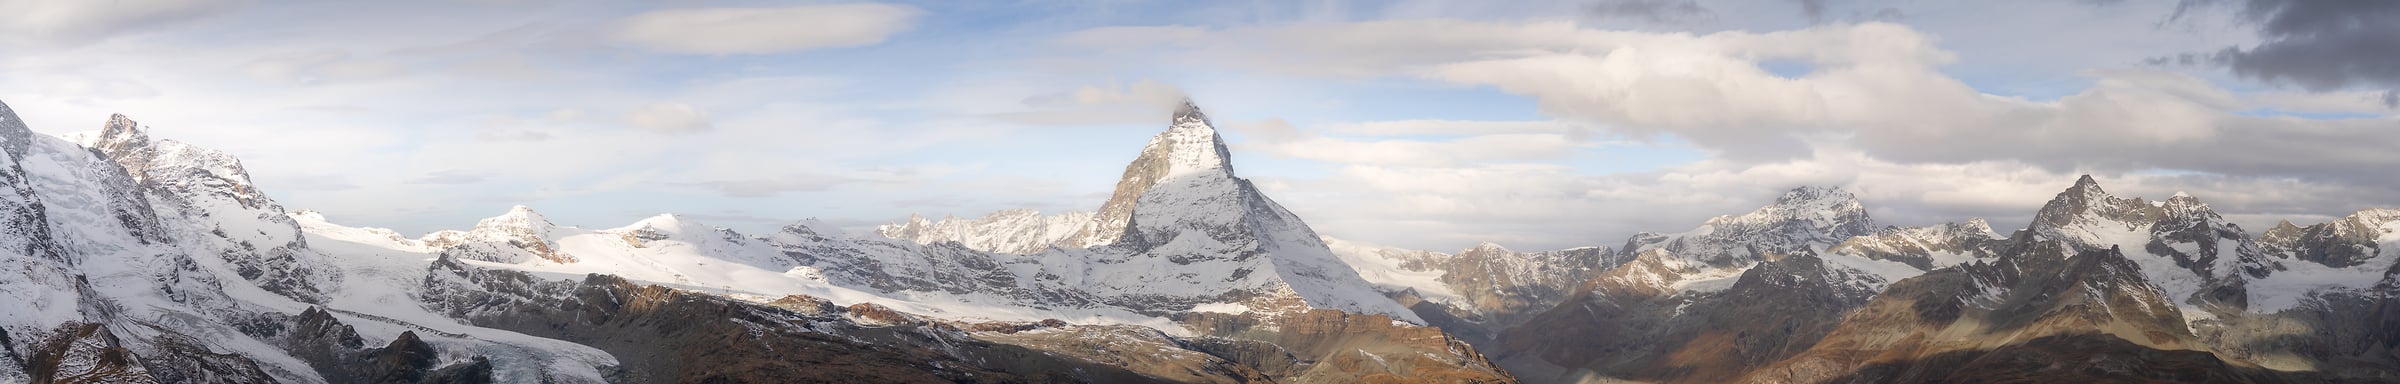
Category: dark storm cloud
<point>1656,11</point>
<point>2319,45</point>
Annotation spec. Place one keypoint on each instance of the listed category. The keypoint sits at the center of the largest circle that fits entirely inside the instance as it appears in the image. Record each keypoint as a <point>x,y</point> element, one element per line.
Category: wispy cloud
<point>766,30</point>
<point>448,176</point>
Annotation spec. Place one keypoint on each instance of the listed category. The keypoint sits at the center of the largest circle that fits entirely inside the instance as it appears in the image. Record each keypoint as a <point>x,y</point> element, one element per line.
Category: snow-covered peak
<point>1192,144</point>
<point>1815,207</point>
<point>1803,220</point>
<point>519,219</point>
<point>2084,214</point>
<point>520,228</point>
<point>1810,194</point>
<point>122,130</point>
<point>2180,244</point>
<point>1189,153</point>
<point>1979,224</point>
<point>179,168</point>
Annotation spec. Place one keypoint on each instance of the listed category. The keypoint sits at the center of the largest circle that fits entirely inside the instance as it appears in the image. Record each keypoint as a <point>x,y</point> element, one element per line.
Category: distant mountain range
<point>133,259</point>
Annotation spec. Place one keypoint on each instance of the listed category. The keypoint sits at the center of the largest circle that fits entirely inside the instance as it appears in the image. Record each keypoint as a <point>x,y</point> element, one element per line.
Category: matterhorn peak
<point>1191,144</point>
<point>1189,150</point>
<point>1189,110</point>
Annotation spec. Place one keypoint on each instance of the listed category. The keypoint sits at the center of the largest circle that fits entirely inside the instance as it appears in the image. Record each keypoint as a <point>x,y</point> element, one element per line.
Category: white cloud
<point>1875,113</point>
<point>1141,101</point>
<point>1450,127</point>
<point>766,30</point>
<point>1495,142</point>
<point>98,87</point>
<point>319,66</point>
<point>670,118</point>
<point>1877,87</point>
<point>68,22</point>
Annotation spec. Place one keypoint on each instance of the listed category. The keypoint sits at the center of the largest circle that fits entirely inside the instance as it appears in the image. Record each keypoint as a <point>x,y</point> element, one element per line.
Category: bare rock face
<point>1141,350</point>
<point>1622,328</point>
<point>1338,347</point>
<point>1687,306</point>
<point>405,360</point>
<point>662,335</point>
<point>2038,289</point>
<point>87,353</point>
<point>805,304</point>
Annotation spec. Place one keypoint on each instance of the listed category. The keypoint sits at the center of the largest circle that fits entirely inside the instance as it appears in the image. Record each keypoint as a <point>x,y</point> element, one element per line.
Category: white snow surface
<point>1384,267</point>
<point>1008,231</point>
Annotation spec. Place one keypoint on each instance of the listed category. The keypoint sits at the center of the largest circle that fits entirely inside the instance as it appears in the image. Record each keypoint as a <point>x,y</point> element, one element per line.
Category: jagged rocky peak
<point>2353,240</point>
<point>1977,225</point>
<point>1189,149</point>
<point>1802,220</point>
<point>127,139</point>
<point>177,167</point>
<point>1827,212</point>
<point>2087,203</point>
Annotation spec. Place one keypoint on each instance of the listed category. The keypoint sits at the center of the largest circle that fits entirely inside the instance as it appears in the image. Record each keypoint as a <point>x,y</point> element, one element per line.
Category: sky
<point>1430,124</point>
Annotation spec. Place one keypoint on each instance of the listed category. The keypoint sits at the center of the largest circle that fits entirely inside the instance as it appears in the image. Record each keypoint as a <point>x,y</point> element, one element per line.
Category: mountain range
<point>133,259</point>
